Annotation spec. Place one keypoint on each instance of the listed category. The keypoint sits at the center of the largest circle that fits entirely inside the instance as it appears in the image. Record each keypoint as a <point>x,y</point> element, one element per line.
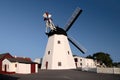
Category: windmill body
<point>58,54</point>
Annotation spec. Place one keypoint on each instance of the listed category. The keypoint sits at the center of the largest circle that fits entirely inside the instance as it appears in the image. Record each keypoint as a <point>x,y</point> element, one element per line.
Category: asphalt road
<point>60,75</point>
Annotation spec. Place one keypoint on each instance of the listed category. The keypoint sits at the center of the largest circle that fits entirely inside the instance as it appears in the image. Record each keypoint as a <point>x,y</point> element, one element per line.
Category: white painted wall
<point>10,66</point>
<point>58,53</point>
<point>36,68</point>
<point>108,70</point>
<point>25,68</point>
<point>38,60</point>
<point>21,68</point>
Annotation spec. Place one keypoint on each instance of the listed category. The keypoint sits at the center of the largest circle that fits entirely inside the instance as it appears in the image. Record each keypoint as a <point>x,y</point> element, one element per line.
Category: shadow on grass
<point>7,77</point>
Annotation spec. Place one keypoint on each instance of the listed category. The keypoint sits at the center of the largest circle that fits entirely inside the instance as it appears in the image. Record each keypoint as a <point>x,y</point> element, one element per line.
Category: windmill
<point>58,54</point>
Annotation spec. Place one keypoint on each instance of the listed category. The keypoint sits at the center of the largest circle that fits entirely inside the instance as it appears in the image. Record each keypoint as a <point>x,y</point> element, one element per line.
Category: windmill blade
<point>77,45</point>
<point>72,19</point>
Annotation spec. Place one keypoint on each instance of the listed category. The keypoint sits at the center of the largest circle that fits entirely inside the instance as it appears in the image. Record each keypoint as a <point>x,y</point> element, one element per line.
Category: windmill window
<point>15,65</point>
<point>59,64</point>
<point>48,52</point>
<point>59,42</point>
<point>68,52</point>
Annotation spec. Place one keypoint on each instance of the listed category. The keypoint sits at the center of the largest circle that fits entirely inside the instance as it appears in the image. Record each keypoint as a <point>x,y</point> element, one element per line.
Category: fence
<point>109,70</point>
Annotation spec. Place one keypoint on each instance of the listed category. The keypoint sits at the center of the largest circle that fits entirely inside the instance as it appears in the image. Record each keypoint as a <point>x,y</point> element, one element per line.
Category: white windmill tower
<point>58,54</point>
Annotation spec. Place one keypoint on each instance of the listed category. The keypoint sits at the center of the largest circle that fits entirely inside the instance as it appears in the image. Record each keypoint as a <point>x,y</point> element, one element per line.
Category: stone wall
<point>109,70</point>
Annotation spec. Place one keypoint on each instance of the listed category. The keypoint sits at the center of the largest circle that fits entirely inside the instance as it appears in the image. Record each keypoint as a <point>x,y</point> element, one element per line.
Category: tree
<point>90,57</point>
<point>116,64</point>
<point>103,57</point>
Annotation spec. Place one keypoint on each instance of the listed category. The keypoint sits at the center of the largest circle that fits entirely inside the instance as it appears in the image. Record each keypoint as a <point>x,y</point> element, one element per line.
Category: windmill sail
<point>77,45</point>
<point>72,19</point>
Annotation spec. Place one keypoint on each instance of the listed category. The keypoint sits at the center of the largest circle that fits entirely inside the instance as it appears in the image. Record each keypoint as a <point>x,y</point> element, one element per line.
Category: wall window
<point>15,65</point>
<point>80,59</point>
<point>59,42</point>
<point>48,52</point>
<point>59,64</point>
<point>76,60</point>
<point>80,64</point>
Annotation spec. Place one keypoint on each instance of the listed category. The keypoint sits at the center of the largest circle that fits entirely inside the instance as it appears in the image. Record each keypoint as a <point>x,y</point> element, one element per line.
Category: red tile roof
<point>5,55</point>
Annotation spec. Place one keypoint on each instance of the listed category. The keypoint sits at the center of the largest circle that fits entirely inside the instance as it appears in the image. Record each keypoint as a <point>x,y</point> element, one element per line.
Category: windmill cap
<point>58,31</point>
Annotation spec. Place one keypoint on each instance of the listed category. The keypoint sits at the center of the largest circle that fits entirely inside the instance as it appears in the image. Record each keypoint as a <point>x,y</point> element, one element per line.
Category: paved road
<point>61,75</point>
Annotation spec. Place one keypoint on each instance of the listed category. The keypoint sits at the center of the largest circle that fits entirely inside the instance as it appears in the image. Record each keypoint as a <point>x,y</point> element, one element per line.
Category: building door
<point>32,68</point>
<point>5,68</point>
<point>0,66</point>
<point>76,65</point>
<point>46,64</point>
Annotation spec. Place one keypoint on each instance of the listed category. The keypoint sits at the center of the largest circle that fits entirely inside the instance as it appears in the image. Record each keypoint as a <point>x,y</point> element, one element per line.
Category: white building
<point>21,66</point>
<point>84,63</point>
<point>39,61</point>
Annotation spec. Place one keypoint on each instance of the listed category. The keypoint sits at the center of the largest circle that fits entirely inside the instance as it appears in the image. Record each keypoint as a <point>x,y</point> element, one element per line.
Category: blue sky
<point>22,29</point>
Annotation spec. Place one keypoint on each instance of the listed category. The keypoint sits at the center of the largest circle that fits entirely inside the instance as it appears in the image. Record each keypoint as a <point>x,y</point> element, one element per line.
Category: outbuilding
<point>19,65</point>
<point>2,57</point>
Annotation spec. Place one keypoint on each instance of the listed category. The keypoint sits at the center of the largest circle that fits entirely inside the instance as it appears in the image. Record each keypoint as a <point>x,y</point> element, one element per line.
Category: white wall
<point>58,53</point>
<point>38,60</point>
<point>36,68</point>
<point>46,57</point>
<point>10,66</point>
<point>23,68</point>
<point>85,62</point>
<point>5,62</point>
<point>108,70</point>
<point>61,53</point>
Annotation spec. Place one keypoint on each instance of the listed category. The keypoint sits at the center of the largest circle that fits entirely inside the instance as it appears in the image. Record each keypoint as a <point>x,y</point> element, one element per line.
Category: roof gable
<point>5,55</point>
